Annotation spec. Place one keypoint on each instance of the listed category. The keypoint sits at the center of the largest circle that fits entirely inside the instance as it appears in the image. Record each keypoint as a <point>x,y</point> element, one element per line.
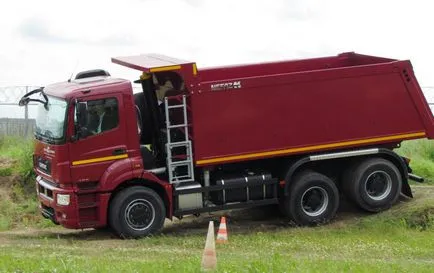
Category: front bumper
<point>63,215</point>
<point>85,209</point>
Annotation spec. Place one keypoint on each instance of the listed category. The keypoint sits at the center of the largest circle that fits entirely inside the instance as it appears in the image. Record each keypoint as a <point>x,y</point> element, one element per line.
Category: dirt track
<point>239,222</point>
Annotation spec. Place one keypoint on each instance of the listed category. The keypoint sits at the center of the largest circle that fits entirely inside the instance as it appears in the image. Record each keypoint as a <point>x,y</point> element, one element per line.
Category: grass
<point>301,254</point>
<point>421,153</point>
<point>382,242</point>
<point>20,150</point>
<point>6,171</point>
<point>21,213</point>
<point>18,204</point>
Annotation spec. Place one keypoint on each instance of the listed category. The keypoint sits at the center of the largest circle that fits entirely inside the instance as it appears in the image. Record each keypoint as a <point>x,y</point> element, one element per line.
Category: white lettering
<point>226,85</point>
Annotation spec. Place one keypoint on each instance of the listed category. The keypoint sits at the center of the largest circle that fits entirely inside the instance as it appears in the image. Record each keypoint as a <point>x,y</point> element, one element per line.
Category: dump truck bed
<point>266,110</point>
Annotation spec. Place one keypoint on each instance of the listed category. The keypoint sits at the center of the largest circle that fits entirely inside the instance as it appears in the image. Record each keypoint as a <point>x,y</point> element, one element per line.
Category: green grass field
<point>398,240</point>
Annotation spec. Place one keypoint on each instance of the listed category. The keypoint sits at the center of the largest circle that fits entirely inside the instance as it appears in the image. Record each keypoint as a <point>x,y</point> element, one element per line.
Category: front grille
<point>45,192</point>
<point>43,164</point>
<point>47,212</point>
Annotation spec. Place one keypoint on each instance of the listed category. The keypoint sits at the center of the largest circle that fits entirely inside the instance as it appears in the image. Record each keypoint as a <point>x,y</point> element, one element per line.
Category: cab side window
<point>102,115</point>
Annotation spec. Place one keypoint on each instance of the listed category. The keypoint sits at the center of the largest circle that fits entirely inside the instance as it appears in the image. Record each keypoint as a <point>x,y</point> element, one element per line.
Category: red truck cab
<point>81,171</point>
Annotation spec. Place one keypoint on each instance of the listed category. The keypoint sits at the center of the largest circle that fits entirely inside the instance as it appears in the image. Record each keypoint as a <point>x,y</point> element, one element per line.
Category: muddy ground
<point>245,221</point>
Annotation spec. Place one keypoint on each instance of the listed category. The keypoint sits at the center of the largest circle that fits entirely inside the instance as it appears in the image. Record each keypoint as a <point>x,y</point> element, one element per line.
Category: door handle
<point>119,151</point>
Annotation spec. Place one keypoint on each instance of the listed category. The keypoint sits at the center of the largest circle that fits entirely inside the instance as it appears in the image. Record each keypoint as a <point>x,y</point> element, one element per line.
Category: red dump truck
<point>298,134</point>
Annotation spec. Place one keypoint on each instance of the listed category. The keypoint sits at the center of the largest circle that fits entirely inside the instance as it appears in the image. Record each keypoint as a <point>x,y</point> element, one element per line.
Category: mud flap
<point>406,190</point>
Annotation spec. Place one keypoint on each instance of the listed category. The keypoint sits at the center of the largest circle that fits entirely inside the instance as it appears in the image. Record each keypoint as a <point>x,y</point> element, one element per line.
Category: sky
<point>48,41</point>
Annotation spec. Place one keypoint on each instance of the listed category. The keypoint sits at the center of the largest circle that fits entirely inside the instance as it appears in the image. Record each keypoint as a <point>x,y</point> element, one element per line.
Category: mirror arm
<point>25,99</point>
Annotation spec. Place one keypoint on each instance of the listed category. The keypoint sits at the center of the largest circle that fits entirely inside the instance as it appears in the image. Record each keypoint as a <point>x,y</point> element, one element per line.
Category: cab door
<point>93,153</point>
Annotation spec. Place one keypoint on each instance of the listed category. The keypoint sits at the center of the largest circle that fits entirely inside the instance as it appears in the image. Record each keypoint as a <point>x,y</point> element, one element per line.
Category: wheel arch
<point>164,190</point>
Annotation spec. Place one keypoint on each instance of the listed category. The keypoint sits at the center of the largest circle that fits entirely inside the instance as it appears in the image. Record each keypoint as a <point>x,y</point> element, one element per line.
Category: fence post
<point>26,117</point>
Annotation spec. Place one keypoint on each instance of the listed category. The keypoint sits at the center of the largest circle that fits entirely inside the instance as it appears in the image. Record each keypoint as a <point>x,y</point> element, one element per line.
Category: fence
<point>17,127</point>
<point>15,120</point>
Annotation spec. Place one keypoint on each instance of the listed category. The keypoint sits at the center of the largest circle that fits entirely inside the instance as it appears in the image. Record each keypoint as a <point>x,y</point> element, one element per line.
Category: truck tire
<point>373,184</point>
<point>136,212</point>
<point>313,199</point>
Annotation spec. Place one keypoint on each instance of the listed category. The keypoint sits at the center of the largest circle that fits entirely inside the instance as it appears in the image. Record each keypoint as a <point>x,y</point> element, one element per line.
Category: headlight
<point>63,199</point>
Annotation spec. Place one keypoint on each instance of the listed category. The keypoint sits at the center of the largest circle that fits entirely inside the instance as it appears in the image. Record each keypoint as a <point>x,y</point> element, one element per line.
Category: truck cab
<point>94,137</point>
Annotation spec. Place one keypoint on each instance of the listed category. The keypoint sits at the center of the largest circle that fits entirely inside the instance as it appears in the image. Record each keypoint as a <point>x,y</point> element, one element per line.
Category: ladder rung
<point>180,163</point>
<point>179,144</point>
<point>176,160</point>
<point>177,97</point>
<point>177,126</point>
<point>184,178</point>
<point>175,106</point>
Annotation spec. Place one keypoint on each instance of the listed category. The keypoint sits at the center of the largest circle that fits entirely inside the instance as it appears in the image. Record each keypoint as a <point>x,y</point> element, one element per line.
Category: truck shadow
<point>244,221</point>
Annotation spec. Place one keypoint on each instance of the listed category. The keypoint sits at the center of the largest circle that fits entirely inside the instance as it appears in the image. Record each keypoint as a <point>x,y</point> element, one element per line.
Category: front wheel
<point>136,212</point>
<point>313,199</point>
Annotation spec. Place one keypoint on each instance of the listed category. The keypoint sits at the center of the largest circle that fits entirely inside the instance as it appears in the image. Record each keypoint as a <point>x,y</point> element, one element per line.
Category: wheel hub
<point>139,214</point>
<point>378,185</point>
<point>314,201</point>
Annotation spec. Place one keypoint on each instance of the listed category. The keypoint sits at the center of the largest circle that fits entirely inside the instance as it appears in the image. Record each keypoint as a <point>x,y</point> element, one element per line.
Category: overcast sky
<point>46,41</point>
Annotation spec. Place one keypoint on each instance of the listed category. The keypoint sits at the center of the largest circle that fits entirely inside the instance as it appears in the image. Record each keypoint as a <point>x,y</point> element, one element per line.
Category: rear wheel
<point>373,184</point>
<point>313,199</point>
<point>137,212</point>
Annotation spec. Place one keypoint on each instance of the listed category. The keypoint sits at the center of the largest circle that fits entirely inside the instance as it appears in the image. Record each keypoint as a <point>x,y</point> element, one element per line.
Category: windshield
<point>50,120</point>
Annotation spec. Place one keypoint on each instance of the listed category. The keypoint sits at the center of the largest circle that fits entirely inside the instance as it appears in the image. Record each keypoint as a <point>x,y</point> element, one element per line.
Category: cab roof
<point>94,84</point>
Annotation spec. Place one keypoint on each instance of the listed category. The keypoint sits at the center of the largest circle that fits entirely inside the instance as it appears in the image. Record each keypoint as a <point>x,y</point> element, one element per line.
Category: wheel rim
<point>139,214</point>
<point>314,201</point>
<point>378,185</point>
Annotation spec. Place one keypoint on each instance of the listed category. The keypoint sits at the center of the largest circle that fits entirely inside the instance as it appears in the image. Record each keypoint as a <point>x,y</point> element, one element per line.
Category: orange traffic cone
<point>222,234</point>
<point>209,258</point>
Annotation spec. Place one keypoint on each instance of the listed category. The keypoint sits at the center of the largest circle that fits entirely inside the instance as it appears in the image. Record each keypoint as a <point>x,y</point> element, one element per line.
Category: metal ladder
<point>180,167</point>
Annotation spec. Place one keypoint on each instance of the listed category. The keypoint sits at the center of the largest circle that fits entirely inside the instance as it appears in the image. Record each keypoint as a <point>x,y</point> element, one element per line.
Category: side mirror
<point>23,101</point>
